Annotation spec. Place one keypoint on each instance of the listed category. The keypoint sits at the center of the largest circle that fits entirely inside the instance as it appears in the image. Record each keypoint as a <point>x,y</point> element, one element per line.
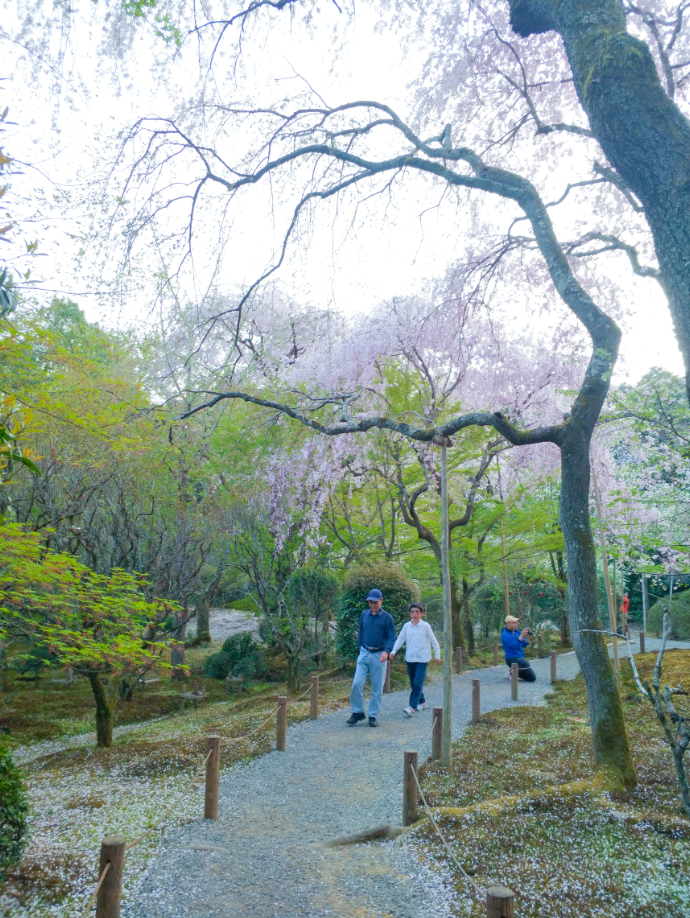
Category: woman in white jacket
<point>418,638</point>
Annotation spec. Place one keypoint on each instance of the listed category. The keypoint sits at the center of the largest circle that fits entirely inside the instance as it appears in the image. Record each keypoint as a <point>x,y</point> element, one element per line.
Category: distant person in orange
<point>623,609</point>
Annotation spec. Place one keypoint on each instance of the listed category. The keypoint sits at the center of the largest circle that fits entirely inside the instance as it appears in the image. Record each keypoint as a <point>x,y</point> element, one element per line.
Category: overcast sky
<point>68,114</point>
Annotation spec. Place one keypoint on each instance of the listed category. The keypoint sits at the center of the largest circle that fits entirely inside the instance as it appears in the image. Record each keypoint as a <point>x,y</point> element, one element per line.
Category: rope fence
<point>108,892</point>
<point>88,908</point>
<point>107,895</point>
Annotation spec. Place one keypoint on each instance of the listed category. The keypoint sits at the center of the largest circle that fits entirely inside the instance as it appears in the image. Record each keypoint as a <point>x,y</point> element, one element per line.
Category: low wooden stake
<point>476,709</point>
<point>212,777</point>
<point>495,653</point>
<point>437,719</point>
<point>514,670</point>
<point>554,657</point>
<point>540,646</point>
<point>458,660</point>
<point>500,902</point>
<point>281,723</point>
<point>314,698</point>
<point>410,789</point>
<point>110,894</point>
<point>387,683</point>
<point>642,645</point>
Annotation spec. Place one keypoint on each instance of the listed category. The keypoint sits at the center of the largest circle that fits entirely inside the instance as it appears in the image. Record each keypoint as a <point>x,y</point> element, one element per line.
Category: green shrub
<point>13,814</point>
<point>241,655</point>
<point>217,666</point>
<point>246,604</point>
<point>398,592</point>
<point>680,617</point>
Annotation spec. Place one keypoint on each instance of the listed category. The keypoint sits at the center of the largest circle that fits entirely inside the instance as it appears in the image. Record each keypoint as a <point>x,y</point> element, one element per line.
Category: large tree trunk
<point>104,713</point>
<point>203,619</point>
<point>294,671</point>
<point>609,738</point>
<point>643,133</point>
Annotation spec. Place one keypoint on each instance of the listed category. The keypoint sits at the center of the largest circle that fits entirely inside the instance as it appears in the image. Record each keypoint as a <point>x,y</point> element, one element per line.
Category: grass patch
<point>79,794</point>
<point>614,855</point>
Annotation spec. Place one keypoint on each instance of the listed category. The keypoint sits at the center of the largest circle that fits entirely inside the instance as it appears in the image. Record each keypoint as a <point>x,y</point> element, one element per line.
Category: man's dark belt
<point>373,649</point>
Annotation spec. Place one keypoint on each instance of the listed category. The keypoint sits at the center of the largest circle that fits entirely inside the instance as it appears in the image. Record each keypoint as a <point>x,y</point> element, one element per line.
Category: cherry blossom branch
<point>613,243</point>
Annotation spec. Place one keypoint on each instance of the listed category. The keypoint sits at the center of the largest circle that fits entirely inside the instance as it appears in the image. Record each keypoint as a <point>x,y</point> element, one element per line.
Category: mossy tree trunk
<point>643,133</point>
<point>609,737</point>
<point>104,711</point>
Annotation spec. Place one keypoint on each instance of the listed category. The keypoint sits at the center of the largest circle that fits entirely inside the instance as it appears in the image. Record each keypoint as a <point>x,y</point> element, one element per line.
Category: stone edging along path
<point>267,854</point>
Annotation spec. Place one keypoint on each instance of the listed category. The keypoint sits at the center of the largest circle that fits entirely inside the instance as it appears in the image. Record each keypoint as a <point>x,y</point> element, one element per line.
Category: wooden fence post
<point>476,709</point>
<point>437,718</point>
<point>314,698</point>
<point>387,683</point>
<point>410,789</point>
<point>514,670</point>
<point>540,646</point>
<point>642,645</point>
<point>554,657</point>
<point>495,653</point>
<point>110,894</point>
<point>281,723</point>
<point>458,660</point>
<point>500,902</point>
<point>212,777</point>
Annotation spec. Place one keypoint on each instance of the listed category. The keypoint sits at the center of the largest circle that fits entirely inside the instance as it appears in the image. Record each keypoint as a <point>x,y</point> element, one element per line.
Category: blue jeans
<point>417,674</point>
<point>368,664</point>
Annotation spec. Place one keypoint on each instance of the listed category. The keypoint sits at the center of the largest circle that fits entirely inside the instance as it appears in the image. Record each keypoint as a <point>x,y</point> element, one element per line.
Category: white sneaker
<point>423,705</point>
<point>409,711</point>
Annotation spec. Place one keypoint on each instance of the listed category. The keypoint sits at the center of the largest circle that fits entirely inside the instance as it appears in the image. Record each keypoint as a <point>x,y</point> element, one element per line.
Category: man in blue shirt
<point>375,641</point>
<point>514,648</point>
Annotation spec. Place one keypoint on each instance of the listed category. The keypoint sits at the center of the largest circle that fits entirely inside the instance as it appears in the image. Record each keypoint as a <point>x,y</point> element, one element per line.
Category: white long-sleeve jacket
<point>418,640</point>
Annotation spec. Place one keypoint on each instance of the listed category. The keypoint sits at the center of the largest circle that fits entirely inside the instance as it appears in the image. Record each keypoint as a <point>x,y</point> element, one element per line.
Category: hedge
<point>13,814</point>
<point>680,617</point>
<point>398,592</point>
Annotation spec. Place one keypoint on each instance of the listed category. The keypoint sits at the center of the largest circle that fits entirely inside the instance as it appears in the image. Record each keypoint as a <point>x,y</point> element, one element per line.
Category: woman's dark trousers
<point>417,674</point>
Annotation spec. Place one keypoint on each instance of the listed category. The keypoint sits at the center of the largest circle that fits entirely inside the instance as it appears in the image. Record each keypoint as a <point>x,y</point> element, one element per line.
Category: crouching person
<point>514,648</point>
<point>418,638</point>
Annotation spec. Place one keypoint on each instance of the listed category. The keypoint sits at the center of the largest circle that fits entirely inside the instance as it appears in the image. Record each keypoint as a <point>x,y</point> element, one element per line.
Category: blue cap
<point>375,595</point>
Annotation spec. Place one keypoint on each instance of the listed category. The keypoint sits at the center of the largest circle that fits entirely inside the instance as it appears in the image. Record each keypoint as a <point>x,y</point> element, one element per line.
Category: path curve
<point>266,857</point>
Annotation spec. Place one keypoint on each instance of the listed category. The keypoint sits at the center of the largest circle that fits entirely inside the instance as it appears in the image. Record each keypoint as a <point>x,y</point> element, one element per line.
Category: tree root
<point>598,785</point>
<point>380,833</point>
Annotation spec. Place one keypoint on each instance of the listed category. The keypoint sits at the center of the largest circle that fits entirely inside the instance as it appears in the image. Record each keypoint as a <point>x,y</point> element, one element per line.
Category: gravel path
<point>267,857</point>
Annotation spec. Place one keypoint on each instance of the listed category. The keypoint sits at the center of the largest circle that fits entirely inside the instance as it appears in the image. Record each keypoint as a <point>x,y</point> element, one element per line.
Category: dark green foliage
<point>33,661</point>
<point>217,666</point>
<point>245,655</point>
<point>314,590</point>
<point>398,592</point>
<point>13,814</point>
<point>241,655</point>
<point>680,616</point>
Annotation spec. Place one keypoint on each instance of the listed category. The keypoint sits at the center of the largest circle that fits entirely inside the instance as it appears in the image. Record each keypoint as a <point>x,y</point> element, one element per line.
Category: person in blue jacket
<point>514,648</point>
<point>375,640</point>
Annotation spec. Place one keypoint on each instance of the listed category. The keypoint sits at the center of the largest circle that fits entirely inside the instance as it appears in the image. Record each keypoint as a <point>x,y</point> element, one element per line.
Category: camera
<point>529,631</point>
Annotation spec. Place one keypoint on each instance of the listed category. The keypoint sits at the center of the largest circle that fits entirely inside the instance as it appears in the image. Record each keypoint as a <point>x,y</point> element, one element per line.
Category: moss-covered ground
<point>568,856</point>
<point>79,793</point>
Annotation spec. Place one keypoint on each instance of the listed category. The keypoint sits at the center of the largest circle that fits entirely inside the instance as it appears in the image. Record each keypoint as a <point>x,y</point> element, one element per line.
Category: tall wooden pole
<point>506,591</point>
<point>446,736</point>
<point>645,603</point>
<point>614,588</point>
<point>607,580</point>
